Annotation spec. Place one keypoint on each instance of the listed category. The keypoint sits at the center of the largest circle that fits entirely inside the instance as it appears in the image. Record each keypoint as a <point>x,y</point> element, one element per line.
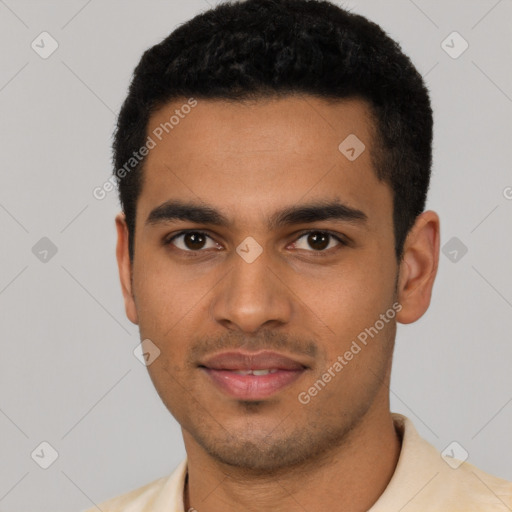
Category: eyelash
<point>194,254</point>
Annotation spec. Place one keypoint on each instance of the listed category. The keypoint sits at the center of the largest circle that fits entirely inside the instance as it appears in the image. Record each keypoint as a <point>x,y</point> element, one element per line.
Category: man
<point>273,160</point>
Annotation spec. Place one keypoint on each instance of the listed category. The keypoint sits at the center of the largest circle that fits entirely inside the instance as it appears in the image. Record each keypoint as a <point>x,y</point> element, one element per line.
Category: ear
<point>418,267</point>
<point>125,267</point>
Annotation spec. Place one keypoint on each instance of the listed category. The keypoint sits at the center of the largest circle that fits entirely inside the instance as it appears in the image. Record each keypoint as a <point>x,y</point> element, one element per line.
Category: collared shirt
<point>423,481</point>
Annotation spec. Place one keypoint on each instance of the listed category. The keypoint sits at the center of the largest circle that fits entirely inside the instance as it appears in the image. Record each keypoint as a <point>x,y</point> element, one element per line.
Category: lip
<point>239,360</point>
<point>221,370</point>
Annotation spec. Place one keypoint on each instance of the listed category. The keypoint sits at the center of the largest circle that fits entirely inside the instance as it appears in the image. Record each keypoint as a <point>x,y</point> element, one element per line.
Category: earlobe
<point>125,267</point>
<point>418,267</point>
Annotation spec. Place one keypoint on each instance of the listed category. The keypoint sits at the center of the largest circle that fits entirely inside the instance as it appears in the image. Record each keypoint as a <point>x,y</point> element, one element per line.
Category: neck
<point>355,474</point>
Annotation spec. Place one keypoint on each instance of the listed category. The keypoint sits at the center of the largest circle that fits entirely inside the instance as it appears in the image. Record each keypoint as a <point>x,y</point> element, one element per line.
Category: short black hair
<point>253,49</point>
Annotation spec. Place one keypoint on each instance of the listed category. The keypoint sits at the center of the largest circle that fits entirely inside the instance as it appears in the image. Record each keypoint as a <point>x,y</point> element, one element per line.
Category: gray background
<point>68,373</point>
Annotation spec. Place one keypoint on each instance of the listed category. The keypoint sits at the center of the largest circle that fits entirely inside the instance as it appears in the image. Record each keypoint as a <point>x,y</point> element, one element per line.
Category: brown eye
<point>192,241</point>
<point>318,241</point>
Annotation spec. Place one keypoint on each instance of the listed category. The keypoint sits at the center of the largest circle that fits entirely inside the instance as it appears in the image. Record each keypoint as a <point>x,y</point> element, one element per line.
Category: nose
<point>252,296</point>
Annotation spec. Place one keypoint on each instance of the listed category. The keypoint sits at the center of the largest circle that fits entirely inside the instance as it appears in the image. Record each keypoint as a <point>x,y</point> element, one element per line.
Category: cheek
<point>170,384</point>
<point>351,305</point>
<point>162,294</point>
<point>171,306</point>
<point>353,297</point>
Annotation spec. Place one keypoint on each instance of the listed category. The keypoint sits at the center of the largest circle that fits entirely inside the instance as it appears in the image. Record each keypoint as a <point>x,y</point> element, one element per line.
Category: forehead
<point>303,125</point>
<point>251,156</point>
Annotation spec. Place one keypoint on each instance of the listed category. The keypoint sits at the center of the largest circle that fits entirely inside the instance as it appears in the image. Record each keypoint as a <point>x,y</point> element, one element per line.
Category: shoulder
<point>165,493</point>
<point>134,500</point>
<point>476,489</point>
<point>428,480</point>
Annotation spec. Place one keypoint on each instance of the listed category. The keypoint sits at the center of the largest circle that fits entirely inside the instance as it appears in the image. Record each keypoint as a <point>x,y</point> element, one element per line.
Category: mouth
<point>250,376</point>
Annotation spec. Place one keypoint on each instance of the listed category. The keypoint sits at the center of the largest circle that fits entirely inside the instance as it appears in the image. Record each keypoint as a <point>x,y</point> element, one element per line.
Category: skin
<point>249,160</point>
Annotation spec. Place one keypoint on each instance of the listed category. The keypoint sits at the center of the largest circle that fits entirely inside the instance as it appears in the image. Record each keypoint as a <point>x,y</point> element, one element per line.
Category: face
<point>256,234</point>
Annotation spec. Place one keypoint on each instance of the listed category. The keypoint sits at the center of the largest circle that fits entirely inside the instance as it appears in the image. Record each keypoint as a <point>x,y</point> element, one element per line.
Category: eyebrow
<point>305,213</point>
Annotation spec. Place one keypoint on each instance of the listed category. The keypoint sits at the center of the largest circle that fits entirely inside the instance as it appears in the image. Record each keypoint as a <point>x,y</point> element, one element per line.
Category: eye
<point>195,241</point>
<point>319,241</point>
<point>192,241</point>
